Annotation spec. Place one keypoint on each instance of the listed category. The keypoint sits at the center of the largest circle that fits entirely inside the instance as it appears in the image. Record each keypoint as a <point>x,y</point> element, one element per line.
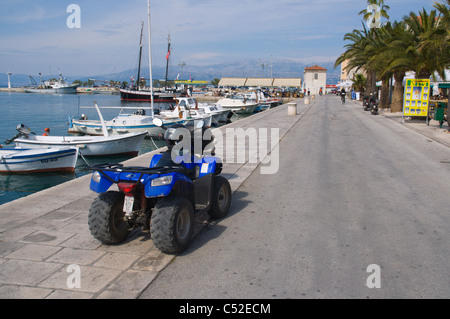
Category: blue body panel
<point>207,165</point>
<point>165,190</point>
<point>155,160</point>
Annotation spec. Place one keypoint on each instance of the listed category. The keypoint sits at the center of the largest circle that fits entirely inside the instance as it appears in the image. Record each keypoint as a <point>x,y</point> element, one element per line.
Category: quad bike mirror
<point>158,122</point>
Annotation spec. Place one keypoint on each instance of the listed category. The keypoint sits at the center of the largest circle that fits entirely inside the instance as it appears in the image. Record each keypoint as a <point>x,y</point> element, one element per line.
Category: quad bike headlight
<point>161,181</point>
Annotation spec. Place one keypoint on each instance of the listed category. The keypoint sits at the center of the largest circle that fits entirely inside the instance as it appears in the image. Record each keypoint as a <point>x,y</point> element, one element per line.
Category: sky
<point>35,35</point>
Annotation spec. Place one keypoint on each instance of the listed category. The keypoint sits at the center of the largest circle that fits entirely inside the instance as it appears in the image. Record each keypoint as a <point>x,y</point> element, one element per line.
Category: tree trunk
<point>374,83</point>
<point>397,95</point>
<point>423,75</point>
<point>384,98</point>
<point>368,88</point>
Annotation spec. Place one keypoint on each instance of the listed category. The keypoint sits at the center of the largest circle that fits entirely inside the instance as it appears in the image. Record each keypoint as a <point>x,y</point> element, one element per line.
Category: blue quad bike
<point>161,199</point>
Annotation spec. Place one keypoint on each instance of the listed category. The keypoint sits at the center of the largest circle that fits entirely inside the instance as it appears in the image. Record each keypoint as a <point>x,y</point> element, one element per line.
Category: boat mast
<point>150,57</point>
<point>167,58</point>
<point>140,57</point>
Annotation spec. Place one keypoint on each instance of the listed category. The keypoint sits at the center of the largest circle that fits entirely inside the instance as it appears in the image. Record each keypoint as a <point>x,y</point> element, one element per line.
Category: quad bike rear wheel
<point>107,219</point>
<point>221,200</point>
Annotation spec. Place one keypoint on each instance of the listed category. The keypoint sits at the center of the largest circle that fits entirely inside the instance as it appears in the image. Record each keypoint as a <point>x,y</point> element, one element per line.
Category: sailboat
<point>138,93</point>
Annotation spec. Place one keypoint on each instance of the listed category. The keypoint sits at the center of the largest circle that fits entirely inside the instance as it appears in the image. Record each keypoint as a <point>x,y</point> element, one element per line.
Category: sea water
<point>39,111</point>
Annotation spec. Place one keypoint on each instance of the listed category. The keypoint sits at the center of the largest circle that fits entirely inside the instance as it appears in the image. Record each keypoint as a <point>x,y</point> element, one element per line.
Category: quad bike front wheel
<point>172,224</point>
<point>107,219</point>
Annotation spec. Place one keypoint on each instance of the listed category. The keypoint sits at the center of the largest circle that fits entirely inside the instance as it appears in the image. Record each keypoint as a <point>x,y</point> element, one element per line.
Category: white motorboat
<point>18,160</point>
<point>126,144</point>
<point>188,109</point>
<point>124,123</point>
<point>249,103</point>
<point>53,87</point>
<point>242,104</point>
<point>265,101</point>
<point>217,113</point>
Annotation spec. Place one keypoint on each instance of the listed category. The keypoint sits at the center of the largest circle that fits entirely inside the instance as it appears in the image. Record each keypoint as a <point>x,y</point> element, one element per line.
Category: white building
<point>314,79</point>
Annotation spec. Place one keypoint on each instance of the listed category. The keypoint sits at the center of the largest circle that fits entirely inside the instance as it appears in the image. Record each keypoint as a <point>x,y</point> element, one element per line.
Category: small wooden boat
<point>19,160</point>
<point>126,144</point>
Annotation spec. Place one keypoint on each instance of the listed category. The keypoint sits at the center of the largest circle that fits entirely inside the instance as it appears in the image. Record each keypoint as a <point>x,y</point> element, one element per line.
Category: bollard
<point>313,97</point>
<point>292,108</point>
<point>307,100</point>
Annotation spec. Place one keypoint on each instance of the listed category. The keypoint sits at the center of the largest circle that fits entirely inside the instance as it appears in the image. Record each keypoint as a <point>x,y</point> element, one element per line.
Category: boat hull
<point>145,96</point>
<point>64,90</point>
<point>38,160</point>
<point>94,128</point>
<point>127,144</point>
<point>239,106</point>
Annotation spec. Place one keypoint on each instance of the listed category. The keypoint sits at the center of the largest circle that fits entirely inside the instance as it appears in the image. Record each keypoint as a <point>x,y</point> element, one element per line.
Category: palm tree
<point>438,38</point>
<point>381,48</point>
<point>359,82</point>
<point>367,14</point>
<point>397,58</point>
<point>443,37</point>
<point>426,59</point>
<point>358,55</point>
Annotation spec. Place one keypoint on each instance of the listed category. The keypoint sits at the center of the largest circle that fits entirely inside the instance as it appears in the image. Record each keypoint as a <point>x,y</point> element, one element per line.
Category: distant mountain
<point>242,68</point>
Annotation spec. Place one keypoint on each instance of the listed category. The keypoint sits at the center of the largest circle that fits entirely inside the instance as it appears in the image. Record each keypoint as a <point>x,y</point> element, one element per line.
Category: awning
<point>287,82</point>
<point>444,85</point>
<point>259,82</point>
<point>232,82</point>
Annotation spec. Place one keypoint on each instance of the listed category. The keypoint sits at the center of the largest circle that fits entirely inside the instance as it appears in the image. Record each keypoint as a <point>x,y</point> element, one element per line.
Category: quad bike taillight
<point>127,188</point>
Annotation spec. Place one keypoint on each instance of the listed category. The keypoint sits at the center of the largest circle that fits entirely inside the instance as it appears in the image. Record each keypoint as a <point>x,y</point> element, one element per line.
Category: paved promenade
<point>43,234</point>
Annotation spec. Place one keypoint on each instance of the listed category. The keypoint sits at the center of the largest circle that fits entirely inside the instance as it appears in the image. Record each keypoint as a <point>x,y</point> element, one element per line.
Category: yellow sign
<point>416,99</point>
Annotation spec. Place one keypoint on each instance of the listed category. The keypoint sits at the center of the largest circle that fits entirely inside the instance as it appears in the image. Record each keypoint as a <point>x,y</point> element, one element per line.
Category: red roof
<point>315,68</point>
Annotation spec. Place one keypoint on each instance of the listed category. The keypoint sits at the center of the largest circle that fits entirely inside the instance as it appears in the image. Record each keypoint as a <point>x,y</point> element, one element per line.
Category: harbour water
<point>38,111</point>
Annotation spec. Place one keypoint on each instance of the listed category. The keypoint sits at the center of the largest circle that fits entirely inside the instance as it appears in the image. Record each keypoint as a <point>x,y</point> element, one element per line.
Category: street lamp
<point>263,65</point>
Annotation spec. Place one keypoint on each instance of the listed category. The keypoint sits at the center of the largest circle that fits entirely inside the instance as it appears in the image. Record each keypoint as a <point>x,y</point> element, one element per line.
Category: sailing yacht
<point>137,93</point>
